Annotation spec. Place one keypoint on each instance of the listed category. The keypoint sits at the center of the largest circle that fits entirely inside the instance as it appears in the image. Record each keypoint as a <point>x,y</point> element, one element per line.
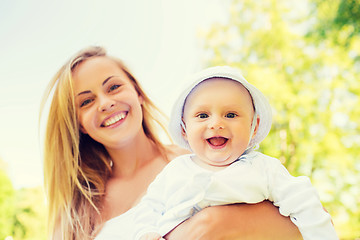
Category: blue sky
<point>157,40</point>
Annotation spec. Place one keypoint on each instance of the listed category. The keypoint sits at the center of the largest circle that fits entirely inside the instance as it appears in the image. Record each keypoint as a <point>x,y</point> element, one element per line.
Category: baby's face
<point>218,114</point>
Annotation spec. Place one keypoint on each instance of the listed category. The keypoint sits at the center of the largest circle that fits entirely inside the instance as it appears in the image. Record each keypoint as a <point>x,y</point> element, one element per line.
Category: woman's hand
<point>237,221</point>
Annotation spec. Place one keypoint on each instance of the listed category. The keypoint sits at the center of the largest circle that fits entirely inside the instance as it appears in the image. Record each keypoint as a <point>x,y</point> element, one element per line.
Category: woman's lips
<point>217,142</point>
<point>113,119</point>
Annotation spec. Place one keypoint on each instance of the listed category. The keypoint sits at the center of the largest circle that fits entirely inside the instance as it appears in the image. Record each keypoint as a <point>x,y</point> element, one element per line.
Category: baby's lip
<point>114,118</point>
<point>217,141</point>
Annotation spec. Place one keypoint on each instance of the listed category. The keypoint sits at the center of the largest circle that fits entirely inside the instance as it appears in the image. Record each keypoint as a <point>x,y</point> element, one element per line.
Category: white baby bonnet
<point>262,106</point>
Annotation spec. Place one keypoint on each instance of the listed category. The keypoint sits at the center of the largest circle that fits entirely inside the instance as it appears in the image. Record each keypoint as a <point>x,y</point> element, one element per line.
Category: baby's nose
<point>216,123</point>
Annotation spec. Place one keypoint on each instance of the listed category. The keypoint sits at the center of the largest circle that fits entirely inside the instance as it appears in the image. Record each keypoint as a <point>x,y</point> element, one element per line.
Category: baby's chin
<point>220,162</point>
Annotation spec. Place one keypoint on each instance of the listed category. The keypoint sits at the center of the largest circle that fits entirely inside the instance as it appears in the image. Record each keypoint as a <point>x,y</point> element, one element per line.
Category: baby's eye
<point>114,87</point>
<point>230,115</point>
<point>86,102</point>
<point>202,115</point>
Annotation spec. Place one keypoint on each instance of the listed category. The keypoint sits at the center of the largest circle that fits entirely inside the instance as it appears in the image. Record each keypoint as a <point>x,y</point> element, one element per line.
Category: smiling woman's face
<point>107,104</point>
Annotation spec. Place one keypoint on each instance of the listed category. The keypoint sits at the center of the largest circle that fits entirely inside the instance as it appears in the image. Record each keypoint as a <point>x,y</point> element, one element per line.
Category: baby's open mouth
<point>217,141</point>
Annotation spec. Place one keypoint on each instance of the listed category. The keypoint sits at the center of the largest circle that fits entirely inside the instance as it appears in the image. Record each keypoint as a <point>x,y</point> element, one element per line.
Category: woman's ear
<point>82,129</point>
<point>141,99</point>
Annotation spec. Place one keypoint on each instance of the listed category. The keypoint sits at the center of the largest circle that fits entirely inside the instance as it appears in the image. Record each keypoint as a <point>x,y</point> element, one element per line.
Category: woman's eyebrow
<point>83,92</point>
<point>103,83</point>
<point>107,79</point>
<point>88,91</point>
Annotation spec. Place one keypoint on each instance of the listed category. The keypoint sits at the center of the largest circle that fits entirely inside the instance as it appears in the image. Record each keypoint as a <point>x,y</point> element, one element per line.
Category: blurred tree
<point>22,212</point>
<point>30,216</point>
<point>313,87</point>
<point>7,206</point>
<point>338,20</point>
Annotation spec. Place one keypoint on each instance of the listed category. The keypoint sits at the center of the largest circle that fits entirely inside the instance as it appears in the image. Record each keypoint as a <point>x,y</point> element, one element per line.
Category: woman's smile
<point>114,119</point>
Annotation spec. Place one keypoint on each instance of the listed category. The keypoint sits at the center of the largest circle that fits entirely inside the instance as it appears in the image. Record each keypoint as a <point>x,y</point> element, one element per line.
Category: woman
<point>102,150</point>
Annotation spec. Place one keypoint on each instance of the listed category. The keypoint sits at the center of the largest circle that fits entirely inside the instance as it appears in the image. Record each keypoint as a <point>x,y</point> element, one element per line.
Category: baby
<point>221,118</point>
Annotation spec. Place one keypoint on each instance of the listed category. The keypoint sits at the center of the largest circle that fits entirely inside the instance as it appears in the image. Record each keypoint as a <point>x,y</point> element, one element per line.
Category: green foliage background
<point>22,212</point>
<point>305,57</point>
<point>7,206</point>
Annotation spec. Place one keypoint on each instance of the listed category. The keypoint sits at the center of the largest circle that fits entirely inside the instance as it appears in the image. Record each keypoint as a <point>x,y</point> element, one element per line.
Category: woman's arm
<point>238,221</point>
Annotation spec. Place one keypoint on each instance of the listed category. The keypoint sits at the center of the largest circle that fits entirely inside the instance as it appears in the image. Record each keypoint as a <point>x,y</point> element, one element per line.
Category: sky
<point>157,39</point>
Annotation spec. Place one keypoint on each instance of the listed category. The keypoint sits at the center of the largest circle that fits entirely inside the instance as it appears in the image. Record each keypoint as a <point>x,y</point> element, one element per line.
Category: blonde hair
<point>76,167</point>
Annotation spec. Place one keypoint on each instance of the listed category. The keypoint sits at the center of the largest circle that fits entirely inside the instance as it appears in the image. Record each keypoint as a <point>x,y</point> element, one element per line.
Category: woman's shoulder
<point>175,151</point>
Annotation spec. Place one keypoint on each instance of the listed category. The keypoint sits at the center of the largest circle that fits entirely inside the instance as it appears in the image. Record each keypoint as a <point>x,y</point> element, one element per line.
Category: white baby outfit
<point>184,188</point>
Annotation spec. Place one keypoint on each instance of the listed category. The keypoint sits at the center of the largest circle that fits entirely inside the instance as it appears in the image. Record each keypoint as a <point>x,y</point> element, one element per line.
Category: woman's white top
<point>121,227</point>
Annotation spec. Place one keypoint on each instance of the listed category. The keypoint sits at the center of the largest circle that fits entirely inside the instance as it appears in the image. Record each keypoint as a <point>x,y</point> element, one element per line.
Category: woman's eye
<point>202,115</point>
<point>230,115</point>
<point>113,87</point>
<point>86,102</point>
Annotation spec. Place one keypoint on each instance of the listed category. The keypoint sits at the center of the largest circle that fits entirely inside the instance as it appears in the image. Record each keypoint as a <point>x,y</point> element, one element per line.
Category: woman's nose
<point>105,104</point>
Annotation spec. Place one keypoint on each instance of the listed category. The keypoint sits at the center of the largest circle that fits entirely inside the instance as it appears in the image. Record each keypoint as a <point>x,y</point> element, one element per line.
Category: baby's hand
<point>151,236</point>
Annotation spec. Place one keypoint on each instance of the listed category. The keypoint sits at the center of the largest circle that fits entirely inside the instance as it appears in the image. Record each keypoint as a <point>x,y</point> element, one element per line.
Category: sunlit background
<point>304,55</point>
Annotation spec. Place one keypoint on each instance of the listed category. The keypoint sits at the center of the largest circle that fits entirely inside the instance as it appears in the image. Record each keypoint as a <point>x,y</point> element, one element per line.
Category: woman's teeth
<point>114,119</point>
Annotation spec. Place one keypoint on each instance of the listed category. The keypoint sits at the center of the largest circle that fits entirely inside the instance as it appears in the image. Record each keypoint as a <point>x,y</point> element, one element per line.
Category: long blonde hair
<point>76,167</point>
